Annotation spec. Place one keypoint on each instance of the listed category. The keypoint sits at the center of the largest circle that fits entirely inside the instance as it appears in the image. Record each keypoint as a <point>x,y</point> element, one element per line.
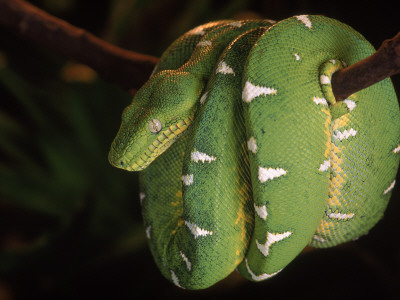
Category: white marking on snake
<point>396,150</point>
<point>271,239</point>
<point>175,279</point>
<point>333,61</point>
<point>203,98</point>
<point>187,179</point>
<point>186,260</point>
<point>319,100</point>
<point>141,197</point>
<point>196,230</point>
<point>305,20</point>
<point>325,166</point>
<point>297,56</point>
<point>224,68</point>
<point>251,91</point>
<point>391,187</point>
<point>265,174</point>
<point>261,276</point>
<point>204,43</point>
<point>236,24</point>
<point>197,31</point>
<point>318,238</point>
<point>153,72</point>
<point>324,79</point>
<point>197,156</point>
<point>261,211</point>
<point>350,104</point>
<point>148,231</point>
<point>251,144</point>
<point>339,135</point>
<point>340,216</point>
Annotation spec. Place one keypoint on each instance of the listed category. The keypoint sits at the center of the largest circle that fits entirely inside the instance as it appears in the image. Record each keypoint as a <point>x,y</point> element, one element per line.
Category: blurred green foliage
<point>54,171</point>
<point>70,224</point>
<point>62,206</point>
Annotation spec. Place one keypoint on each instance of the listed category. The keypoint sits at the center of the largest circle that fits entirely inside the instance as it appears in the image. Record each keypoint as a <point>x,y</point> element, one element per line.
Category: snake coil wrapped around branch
<point>247,157</point>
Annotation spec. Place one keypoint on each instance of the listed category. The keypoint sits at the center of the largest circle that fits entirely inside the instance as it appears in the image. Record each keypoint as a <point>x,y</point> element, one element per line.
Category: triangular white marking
<point>271,239</point>
<point>204,43</point>
<point>224,68</point>
<point>186,260</point>
<point>391,187</point>
<point>318,238</point>
<point>265,174</point>
<point>142,196</point>
<point>396,150</point>
<point>305,20</point>
<point>197,156</point>
<point>319,100</point>
<point>261,211</point>
<point>187,179</point>
<point>196,230</point>
<point>197,31</point>
<point>350,104</point>
<point>324,79</point>
<point>153,72</point>
<point>339,135</point>
<point>251,144</point>
<point>203,98</point>
<point>340,216</point>
<point>251,91</point>
<point>175,279</point>
<point>325,166</point>
<point>148,232</point>
<point>261,276</point>
<point>236,24</point>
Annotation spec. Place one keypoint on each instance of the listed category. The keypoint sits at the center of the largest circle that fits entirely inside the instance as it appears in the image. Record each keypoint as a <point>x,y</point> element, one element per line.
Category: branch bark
<point>130,70</point>
<point>383,63</point>
<point>125,68</point>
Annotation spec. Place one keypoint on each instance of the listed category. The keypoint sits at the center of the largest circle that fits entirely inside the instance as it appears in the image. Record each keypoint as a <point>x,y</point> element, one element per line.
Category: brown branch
<point>125,68</point>
<point>130,70</point>
<point>383,63</point>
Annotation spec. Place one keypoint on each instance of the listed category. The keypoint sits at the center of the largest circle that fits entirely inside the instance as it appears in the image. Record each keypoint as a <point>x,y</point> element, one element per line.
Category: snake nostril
<point>122,163</point>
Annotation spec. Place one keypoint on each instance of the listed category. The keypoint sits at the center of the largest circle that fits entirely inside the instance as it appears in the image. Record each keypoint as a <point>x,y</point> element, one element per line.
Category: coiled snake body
<point>258,159</point>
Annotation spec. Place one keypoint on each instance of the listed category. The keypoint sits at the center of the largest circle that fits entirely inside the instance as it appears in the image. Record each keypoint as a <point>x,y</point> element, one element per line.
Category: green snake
<point>258,159</point>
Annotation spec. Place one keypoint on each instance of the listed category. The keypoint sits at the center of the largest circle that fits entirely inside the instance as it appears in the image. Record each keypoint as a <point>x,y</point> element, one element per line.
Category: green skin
<point>258,159</point>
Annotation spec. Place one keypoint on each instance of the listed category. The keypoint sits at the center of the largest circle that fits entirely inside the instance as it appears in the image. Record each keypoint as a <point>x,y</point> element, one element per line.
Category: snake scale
<point>246,156</point>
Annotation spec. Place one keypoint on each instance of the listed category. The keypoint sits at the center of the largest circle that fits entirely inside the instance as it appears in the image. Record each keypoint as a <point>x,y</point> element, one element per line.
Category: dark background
<point>70,224</point>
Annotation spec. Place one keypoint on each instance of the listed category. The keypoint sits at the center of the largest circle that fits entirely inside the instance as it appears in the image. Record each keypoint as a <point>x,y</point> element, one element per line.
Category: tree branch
<point>383,63</point>
<point>128,69</point>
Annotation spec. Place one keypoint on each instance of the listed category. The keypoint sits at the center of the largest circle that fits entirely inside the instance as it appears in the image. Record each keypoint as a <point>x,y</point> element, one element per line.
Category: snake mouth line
<point>163,141</point>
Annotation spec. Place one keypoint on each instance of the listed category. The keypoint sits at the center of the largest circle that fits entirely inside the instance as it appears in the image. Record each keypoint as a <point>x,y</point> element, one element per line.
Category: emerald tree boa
<point>246,155</point>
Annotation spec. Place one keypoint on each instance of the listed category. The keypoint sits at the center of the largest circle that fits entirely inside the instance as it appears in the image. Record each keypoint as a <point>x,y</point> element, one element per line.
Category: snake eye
<point>155,126</point>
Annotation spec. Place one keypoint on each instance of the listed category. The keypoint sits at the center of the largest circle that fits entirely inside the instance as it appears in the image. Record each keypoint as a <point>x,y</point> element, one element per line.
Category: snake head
<point>161,110</point>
